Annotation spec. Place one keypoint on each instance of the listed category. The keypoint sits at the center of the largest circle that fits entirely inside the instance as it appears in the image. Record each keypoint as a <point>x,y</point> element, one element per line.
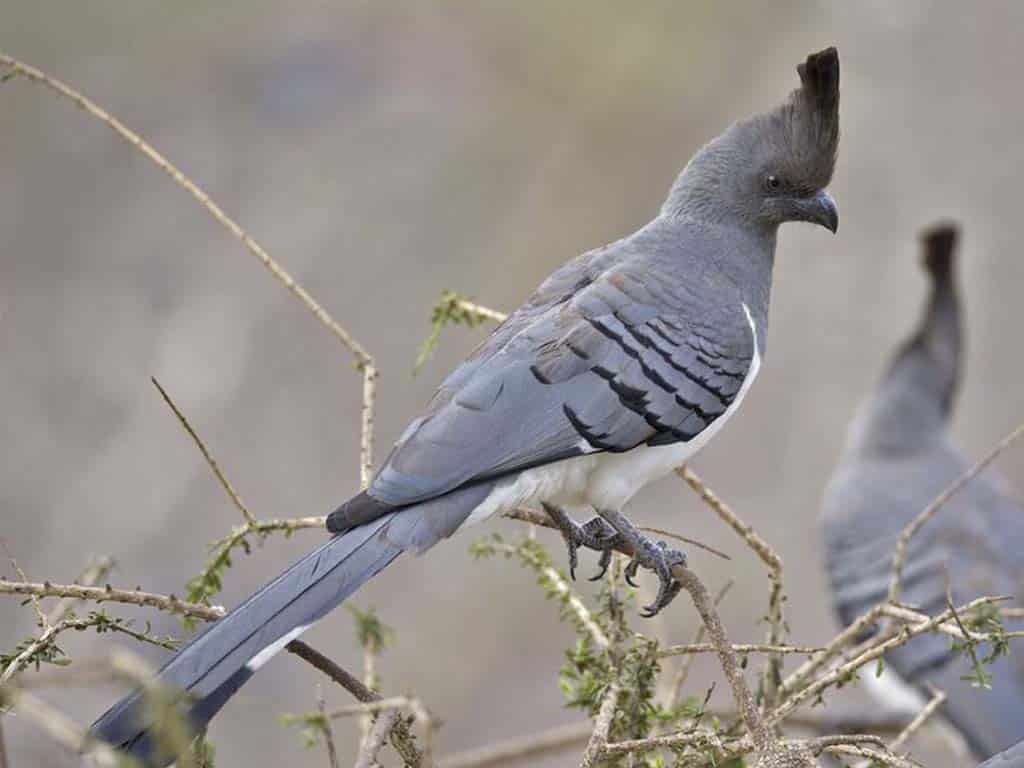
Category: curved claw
<point>602,564</point>
<point>667,592</point>
<point>594,534</point>
<point>655,556</point>
<point>630,573</point>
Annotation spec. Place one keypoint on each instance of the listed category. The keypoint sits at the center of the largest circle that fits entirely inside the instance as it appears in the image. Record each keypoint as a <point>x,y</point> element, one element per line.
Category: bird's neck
<point>703,190</point>
<point>912,405</point>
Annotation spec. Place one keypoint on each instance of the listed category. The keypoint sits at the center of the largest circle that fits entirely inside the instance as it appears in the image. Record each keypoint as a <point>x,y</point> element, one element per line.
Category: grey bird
<point>898,457</point>
<point>1009,758</point>
<point>622,365</point>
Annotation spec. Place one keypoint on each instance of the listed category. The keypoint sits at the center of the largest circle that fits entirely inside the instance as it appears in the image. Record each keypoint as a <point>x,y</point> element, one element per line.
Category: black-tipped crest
<point>811,118</point>
<point>939,244</point>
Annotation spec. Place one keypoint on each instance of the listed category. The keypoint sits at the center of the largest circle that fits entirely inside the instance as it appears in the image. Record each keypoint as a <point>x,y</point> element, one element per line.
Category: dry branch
<point>936,701</point>
<point>108,594</point>
<point>602,725</point>
<point>212,462</point>
<point>776,597</point>
<point>936,504</point>
<point>364,360</point>
<point>332,750</point>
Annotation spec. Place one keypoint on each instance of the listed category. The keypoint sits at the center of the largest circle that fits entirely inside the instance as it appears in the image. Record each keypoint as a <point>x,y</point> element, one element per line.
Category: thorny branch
<point>364,360</point>
<point>781,697</point>
<point>773,668</point>
<point>109,594</point>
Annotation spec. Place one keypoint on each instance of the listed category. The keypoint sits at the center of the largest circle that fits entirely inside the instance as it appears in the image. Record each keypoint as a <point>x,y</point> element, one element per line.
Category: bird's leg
<point>649,554</point>
<point>594,534</point>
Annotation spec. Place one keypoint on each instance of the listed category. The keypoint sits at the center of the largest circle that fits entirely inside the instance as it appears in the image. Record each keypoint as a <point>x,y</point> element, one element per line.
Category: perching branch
<point>776,597</point>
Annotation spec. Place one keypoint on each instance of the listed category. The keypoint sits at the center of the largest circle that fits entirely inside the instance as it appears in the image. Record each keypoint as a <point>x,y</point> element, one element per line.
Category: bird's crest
<point>939,242</point>
<point>810,119</point>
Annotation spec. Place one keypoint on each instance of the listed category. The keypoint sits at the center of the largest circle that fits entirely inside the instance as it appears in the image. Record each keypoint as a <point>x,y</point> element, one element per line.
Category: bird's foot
<point>594,534</point>
<point>650,554</point>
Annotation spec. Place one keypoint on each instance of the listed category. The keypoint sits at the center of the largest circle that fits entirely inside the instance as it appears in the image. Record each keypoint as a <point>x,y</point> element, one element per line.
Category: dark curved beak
<point>820,209</point>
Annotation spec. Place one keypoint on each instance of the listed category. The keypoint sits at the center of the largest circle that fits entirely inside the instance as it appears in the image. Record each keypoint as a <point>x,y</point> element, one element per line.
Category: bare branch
<point>877,647</point>
<point>53,623</point>
<point>40,616</point>
<point>93,574</point>
<point>332,750</point>
<point>401,737</point>
<point>936,504</point>
<point>371,746</point>
<point>880,756</point>
<point>679,679</point>
<point>726,656</point>
<point>773,666</point>
<point>602,725</point>
<point>338,674</point>
<point>843,639</point>
<point>365,361</point>
<point>108,594</point>
<point>215,468</point>
<point>698,647</point>
<point>936,701</point>
<point>481,311</point>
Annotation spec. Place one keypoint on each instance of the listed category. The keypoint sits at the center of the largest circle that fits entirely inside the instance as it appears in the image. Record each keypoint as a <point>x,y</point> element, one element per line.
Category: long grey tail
<point>216,663</point>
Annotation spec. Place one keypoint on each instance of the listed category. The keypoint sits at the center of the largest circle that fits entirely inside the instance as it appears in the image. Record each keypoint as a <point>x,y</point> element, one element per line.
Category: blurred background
<point>383,152</point>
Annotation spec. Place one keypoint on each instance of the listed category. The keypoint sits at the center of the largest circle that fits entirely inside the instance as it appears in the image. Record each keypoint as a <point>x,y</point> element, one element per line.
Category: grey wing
<point>973,546</point>
<point>618,361</point>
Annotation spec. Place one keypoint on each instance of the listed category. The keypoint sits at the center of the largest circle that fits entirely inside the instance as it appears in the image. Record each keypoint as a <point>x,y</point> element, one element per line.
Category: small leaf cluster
<point>987,620</point>
<point>450,310</point>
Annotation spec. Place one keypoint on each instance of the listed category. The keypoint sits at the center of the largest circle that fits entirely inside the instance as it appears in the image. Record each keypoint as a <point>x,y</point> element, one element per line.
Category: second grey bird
<point>622,365</point>
<point>1013,757</point>
<point>899,456</point>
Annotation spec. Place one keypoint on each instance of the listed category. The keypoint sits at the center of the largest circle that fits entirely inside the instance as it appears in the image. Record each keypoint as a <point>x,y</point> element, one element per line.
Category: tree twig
<point>776,597</point>
<point>94,573</point>
<point>400,735</point>
<point>602,725</point>
<point>108,594</point>
<point>742,648</point>
<point>332,751</point>
<point>364,360</point>
<point>878,646</point>
<point>936,701</point>
<point>936,504</point>
<point>212,462</point>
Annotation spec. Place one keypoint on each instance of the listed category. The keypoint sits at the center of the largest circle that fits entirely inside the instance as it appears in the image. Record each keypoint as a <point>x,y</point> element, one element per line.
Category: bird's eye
<point>772,182</point>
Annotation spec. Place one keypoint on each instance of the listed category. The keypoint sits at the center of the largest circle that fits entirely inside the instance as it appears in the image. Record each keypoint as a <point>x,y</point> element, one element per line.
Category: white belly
<point>605,480</point>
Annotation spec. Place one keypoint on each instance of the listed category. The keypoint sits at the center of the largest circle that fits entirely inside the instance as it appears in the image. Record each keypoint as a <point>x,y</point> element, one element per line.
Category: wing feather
<point>602,358</point>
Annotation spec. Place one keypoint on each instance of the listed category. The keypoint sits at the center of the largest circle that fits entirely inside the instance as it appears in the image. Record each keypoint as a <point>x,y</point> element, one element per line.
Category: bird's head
<point>774,167</point>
